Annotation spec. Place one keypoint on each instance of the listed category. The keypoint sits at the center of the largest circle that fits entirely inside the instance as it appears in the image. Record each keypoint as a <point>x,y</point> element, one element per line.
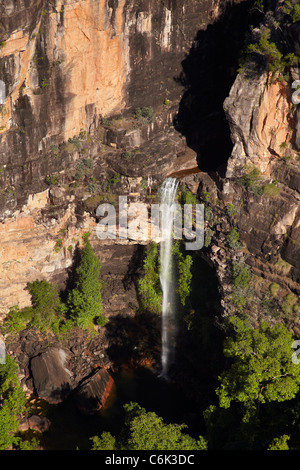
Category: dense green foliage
<point>279,443</point>
<point>262,369</point>
<point>277,61</point>
<point>12,403</point>
<point>16,319</point>
<point>49,313</point>
<point>147,431</point>
<point>47,308</point>
<point>292,9</point>
<point>46,313</point>
<point>272,45</point>
<point>85,300</point>
<point>149,283</point>
<point>258,390</point>
<point>183,264</point>
<point>105,442</point>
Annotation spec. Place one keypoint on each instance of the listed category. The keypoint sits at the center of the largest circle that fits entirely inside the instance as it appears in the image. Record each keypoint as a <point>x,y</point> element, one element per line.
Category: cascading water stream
<point>167,208</point>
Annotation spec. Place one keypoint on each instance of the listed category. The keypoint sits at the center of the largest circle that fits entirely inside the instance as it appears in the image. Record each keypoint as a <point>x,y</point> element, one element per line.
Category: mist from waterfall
<point>167,212</point>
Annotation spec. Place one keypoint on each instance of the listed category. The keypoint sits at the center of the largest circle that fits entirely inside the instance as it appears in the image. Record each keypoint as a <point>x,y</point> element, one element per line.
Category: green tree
<point>12,403</point>
<point>85,300</point>
<point>147,431</point>
<point>277,61</point>
<point>105,442</point>
<point>47,307</point>
<point>149,284</point>
<point>262,370</point>
<point>279,443</point>
<point>184,274</point>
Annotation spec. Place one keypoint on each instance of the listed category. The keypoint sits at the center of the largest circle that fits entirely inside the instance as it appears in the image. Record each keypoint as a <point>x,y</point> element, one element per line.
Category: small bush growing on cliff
<point>233,239</point>
<point>149,284</point>
<point>271,190</point>
<point>277,62</point>
<point>16,320</point>
<point>145,114</point>
<point>250,178</point>
<point>184,274</point>
<point>274,289</point>
<point>288,304</point>
<point>232,211</point>
<point>241,288</point>
<point>85,300</point>
<point>84,168</point>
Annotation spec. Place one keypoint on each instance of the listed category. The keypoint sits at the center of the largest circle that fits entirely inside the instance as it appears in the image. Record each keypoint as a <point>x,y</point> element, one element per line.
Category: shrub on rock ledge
<point>85,300</point>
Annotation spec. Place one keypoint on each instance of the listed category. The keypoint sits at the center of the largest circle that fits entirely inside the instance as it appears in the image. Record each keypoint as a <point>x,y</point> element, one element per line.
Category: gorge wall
<point>254,206</point>
<point>75,74</point>
<point>68,66</point>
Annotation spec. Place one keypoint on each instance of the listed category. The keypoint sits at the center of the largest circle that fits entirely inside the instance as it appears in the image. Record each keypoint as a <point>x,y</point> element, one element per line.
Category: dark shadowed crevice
<point>208,73</point>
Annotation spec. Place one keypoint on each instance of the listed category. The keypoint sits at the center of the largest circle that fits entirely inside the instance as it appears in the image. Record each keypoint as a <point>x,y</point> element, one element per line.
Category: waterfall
<point>167,208</point>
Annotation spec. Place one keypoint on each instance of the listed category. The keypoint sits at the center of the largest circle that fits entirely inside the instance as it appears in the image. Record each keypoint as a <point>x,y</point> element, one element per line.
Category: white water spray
<point>167,207</point>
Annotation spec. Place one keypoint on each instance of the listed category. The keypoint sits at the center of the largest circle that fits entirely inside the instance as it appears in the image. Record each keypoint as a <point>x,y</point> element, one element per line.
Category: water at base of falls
<point>167,207</point>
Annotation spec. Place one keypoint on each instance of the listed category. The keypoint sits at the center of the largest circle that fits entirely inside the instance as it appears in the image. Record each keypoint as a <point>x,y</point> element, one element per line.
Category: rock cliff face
<point>68,67</point>
<point>254,208</point>
<point>76,73</point>
<point>67,64</point>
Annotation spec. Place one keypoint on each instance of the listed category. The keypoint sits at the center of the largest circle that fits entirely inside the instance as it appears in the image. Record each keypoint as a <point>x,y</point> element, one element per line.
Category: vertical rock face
<point>263,120</point>
<point>257,199</point>
<point>66,65</point>
<point>260,112</point>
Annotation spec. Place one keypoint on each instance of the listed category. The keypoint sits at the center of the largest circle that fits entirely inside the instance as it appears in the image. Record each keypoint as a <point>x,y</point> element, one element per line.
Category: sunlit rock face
<point>65,68</point>
<point>68,65</point>
<point>264,123</point>
<point>260,112</point>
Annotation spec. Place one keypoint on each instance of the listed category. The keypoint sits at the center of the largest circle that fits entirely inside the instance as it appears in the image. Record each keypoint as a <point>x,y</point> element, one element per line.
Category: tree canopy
<point>85,300</point>
<point>147,431</point>
<point>262,369</point>
<point>12,403</point>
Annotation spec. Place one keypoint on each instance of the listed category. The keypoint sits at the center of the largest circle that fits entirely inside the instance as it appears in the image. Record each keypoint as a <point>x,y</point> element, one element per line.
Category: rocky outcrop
<point>75,73</point>
<point>260,113</point>
<point>93,393</point>
<point>263,121</point>
<point>35,422</point>
<point>51,378</point>
<point>254,209</point>
<point>68,65</point>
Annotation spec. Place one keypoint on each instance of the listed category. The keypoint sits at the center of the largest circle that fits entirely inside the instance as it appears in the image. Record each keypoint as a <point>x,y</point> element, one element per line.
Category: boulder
<point>35,422</point>
<point>52,380</point>
<point>93,392</point>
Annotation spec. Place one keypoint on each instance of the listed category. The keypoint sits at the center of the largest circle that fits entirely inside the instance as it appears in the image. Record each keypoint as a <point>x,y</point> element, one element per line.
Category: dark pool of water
<point>71,430</point>
<point>198,363</point>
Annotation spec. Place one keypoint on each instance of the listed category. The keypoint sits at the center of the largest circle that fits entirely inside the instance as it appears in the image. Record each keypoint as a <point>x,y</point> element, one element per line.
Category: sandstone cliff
<point>254,207</point>
<point>74,73</point>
